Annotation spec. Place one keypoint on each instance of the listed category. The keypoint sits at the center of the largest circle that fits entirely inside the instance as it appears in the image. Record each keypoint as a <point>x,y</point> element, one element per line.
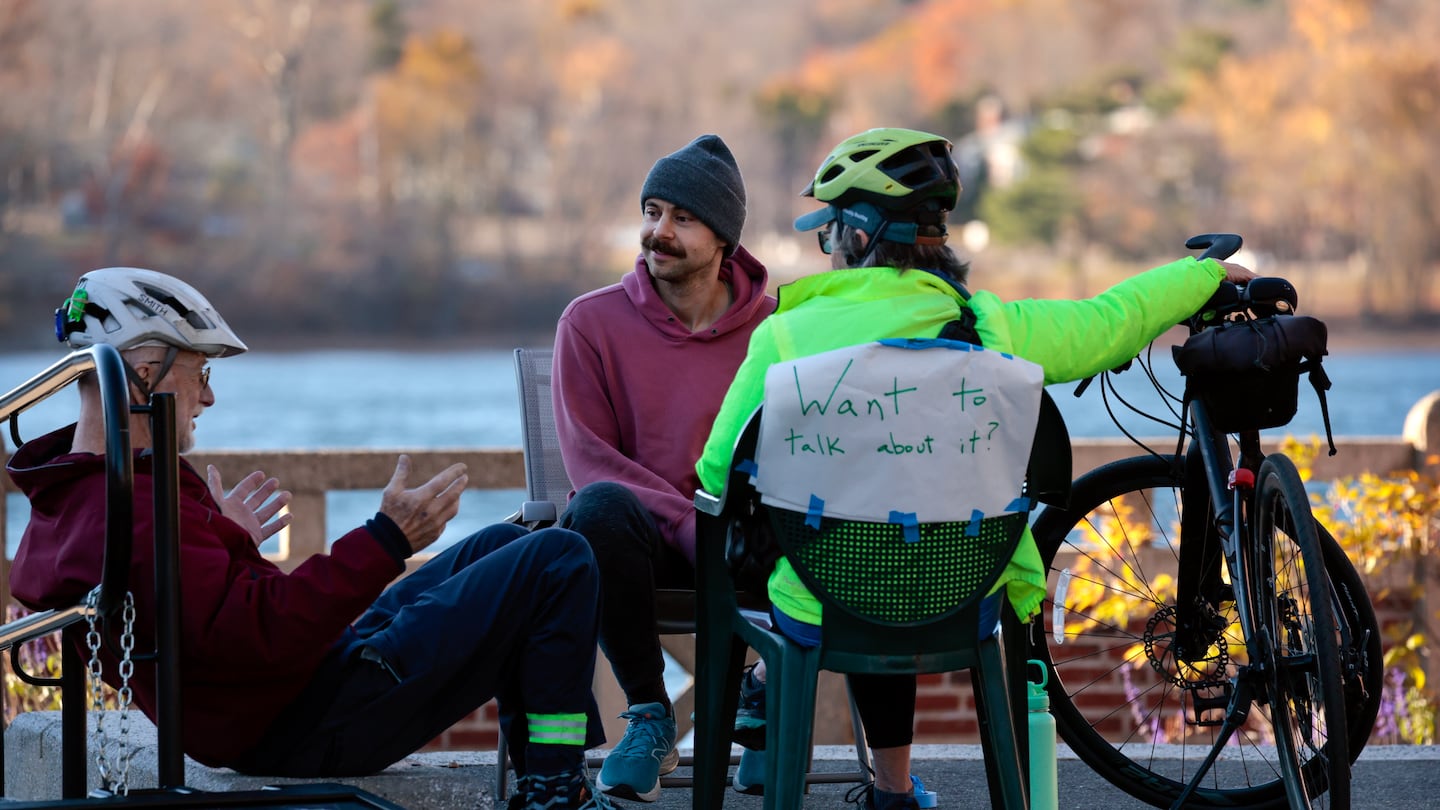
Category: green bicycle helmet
<point>907,174</point>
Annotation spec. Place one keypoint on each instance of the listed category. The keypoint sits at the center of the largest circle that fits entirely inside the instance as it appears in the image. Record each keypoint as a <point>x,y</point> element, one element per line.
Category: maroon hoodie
<point>251,635</point>
<point>636,391</point>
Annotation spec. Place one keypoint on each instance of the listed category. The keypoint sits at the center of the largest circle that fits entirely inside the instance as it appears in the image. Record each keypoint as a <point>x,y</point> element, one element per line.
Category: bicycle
<point>1258,608</point>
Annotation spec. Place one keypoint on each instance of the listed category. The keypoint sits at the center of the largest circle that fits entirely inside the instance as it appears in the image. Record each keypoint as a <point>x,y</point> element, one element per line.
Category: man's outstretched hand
<point>422,512</point>
<point>250,504</point>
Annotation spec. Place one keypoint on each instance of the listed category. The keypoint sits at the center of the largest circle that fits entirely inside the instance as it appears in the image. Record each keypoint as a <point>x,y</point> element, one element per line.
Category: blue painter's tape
<point>1020,504</point>
<point>973,530</point>
<point>930,343</point>
<point>909,524</point>
<point>747,466</point>
<point>817,508</point>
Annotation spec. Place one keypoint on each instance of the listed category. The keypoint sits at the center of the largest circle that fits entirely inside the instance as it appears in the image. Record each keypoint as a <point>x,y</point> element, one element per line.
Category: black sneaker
<point>571,790</point>
<point>750,716</point>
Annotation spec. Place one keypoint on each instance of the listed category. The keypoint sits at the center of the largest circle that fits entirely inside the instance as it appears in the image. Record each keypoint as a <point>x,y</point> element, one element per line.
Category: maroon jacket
<point>251,635</point>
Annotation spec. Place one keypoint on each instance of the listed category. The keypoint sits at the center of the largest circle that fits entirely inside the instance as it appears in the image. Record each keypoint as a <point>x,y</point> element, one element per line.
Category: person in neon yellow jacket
<point>887,194</point>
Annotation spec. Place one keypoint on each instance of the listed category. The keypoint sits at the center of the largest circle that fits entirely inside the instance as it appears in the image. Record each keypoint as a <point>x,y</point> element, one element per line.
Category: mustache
<point>666,247</point>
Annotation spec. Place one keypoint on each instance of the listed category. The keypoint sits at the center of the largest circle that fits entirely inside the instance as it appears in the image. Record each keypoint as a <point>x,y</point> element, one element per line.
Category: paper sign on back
<point>935,429</point>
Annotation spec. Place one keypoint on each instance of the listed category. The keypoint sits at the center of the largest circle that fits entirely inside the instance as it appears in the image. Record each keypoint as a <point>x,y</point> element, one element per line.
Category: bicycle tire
<point>1294,605</point>
<point>1087,696</point>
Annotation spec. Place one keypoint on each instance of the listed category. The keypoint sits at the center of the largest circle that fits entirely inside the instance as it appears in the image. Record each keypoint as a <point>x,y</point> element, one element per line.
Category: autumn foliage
<point>446,165</point>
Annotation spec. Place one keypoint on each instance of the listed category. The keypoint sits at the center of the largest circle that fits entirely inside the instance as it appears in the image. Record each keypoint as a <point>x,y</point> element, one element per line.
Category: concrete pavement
<point>1406,777</point>
<point>1403,777</point>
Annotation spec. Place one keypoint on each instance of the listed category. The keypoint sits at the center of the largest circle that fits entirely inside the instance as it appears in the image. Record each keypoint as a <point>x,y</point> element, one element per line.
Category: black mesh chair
<point>547,488</point>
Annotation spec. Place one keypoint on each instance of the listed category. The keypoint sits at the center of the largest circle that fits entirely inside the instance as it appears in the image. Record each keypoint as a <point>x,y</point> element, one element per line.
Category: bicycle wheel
<point>1130,709</point>
<point>1295,607</point>
<point>1361,653</point>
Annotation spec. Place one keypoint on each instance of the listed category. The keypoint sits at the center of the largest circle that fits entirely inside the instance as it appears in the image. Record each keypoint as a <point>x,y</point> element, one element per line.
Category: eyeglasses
<point>204,373</point>
<point>823,237</point>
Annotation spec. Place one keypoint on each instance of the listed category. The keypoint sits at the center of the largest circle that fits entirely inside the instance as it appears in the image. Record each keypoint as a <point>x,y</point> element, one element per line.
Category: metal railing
<point>109,369</point>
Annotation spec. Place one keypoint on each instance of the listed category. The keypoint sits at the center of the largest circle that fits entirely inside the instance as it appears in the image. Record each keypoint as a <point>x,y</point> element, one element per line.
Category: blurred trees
<point>1334,136</point>
<point>387,34</point>
<point>796,118</point>
<point>442,167</point>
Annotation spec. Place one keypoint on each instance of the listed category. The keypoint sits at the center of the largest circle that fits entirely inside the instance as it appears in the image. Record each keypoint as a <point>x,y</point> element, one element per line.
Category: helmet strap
<point>873,242</point>
<point>147,389</point>
<point>877,226</point>
<point>873,221</point>
<point>137,381</point>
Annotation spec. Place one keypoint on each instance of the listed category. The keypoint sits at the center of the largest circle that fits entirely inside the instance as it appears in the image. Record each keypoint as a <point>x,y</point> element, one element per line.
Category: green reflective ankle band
<point>557,729</point>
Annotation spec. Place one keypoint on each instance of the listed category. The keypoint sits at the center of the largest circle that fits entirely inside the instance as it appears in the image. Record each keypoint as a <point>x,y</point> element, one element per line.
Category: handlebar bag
<point>1247,372</point>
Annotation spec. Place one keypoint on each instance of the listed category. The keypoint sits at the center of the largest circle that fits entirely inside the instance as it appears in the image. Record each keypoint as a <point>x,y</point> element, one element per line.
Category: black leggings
<point>633,561</point>
<point>887,708</point>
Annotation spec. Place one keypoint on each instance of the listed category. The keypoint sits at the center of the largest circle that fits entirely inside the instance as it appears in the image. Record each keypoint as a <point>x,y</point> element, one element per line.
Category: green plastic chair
<point>889,607</point>
<point>547,487</point>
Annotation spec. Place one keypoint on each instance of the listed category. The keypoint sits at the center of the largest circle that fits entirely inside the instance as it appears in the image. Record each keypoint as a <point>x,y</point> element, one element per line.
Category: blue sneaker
<point>571,790</point>
<point>750,776</point>
<point>750,715</point>
<point>633,769</point>
<point>924,799</point>
<point>868,798</point>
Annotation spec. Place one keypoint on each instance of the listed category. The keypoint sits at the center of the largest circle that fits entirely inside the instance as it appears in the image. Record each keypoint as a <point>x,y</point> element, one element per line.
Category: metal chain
<point>127,668</point>
<point>124,751</point>
<point>97,701</point>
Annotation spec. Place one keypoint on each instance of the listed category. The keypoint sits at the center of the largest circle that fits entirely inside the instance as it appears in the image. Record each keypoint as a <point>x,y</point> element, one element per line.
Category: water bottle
<point>1044,779</point>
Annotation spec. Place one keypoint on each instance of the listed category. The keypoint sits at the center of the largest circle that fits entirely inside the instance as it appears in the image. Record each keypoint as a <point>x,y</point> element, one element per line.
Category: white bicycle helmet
<point>129,306</point>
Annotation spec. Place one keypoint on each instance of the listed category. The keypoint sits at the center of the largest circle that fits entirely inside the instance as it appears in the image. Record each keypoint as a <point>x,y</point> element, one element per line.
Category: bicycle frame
<point>1228,490</point>
<point>1226,600</point>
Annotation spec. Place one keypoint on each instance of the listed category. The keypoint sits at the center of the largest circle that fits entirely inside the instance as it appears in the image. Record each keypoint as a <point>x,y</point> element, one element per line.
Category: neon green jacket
<point>1069,339</point>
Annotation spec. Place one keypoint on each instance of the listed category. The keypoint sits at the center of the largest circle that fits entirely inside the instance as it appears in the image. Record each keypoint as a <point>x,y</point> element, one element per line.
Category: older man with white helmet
<point>330,669</point>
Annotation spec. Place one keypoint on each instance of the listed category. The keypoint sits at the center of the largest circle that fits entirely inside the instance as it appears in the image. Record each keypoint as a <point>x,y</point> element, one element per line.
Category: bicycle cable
<point>1107,386</point>
<point>1149,365</point>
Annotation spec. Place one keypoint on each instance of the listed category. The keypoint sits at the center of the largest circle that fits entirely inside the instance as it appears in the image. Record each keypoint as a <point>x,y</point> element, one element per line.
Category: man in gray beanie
<point>639,372</point>
<point>703,179</point>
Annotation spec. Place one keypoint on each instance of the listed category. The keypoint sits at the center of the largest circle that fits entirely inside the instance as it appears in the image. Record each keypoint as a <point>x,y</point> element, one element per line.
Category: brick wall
<point>944,710</point>
<point>478,731</point>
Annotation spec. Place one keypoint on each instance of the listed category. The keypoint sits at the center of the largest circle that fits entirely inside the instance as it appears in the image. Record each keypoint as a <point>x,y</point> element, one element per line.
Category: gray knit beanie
<point>703,179</point>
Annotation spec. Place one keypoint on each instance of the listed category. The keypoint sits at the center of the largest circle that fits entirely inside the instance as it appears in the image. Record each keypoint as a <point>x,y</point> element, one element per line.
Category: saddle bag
<point>1247,372</point>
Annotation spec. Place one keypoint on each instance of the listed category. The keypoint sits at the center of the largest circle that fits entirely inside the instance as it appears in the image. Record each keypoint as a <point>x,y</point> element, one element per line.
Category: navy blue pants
<point>504,614</point>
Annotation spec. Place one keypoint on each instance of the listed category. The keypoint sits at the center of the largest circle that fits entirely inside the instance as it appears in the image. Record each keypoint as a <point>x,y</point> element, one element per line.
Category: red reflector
<point>1242,478</point>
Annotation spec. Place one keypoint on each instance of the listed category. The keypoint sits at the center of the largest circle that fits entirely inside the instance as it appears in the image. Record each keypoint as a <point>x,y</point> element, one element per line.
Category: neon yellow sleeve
<point>1075,339</point>
<point>746,392</point>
